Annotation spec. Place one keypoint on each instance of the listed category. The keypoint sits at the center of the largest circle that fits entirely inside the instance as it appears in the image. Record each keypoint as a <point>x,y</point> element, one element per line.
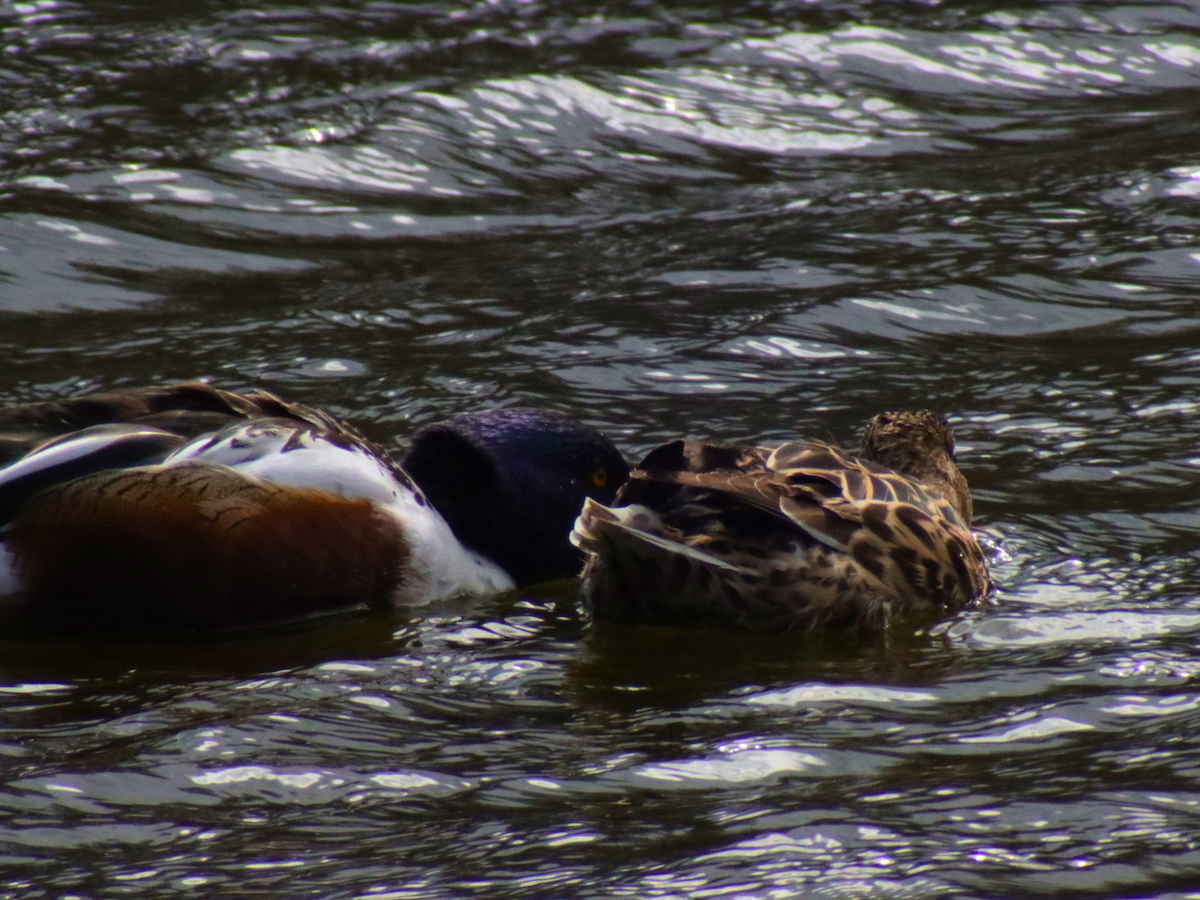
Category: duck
<point>188,510</point>
<point>802,537</point>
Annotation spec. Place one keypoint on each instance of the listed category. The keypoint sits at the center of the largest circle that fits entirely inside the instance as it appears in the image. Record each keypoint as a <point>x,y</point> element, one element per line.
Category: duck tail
<point>637,529</point>
<point>639,571</point>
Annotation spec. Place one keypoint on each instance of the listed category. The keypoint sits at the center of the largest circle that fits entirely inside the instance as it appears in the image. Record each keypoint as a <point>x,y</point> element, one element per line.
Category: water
<point>759,220</point>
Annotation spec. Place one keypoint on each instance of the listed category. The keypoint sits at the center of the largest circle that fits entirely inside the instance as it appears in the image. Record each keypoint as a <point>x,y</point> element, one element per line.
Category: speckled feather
<point>799,536</point>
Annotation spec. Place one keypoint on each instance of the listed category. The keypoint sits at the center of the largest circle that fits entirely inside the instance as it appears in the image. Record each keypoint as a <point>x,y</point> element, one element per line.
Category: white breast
<point>440,566</point>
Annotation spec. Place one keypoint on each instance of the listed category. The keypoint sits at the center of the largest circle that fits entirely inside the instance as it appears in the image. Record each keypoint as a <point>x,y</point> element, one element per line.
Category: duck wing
<point>183,409</point>
<point>189,409</point>
<point>811,485</point>
<point>905,534</point>
<point>52,441</point>
<point>78,454</point>
<point>898,531</point>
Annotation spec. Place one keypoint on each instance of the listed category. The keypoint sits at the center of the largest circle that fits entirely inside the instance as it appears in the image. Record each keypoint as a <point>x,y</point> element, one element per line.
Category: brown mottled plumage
<point>801,536</point>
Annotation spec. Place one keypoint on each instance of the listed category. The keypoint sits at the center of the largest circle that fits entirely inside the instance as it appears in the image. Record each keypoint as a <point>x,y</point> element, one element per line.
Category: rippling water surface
<point>754,220</point>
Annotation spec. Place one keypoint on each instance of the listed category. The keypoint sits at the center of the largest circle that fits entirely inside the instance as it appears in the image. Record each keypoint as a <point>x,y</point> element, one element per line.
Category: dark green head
<point>510,483</point>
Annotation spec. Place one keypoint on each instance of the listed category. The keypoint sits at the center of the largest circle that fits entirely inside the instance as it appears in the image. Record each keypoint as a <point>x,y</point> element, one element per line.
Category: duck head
<point>921,446</point>
<point>510,483</point>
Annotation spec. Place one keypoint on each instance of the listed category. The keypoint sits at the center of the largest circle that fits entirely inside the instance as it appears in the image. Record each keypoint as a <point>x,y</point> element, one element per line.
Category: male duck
<point>801,537</point>
<point>192,510</point>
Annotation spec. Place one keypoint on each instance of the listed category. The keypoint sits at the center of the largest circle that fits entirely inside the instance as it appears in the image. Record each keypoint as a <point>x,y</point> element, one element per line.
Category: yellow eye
<point>599,478</point>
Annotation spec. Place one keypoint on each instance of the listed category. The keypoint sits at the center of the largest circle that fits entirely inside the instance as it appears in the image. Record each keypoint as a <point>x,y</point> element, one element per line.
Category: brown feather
<point>799,536</point>
<point>197,548</point>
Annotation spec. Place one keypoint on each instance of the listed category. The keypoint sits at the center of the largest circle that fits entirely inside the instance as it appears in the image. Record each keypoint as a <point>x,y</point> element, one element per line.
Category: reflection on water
<point>760,223</point>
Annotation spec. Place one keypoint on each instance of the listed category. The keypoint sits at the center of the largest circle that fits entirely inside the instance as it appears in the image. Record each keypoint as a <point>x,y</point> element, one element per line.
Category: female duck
<point>191,510</point>
<point>801,537</point>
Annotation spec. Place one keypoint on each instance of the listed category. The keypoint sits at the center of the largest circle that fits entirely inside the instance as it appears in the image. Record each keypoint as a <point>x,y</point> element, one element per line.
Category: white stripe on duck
<point>190,510</point>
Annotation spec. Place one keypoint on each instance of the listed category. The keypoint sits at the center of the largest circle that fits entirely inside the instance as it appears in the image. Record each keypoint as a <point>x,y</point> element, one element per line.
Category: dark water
<point>752,220</point>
